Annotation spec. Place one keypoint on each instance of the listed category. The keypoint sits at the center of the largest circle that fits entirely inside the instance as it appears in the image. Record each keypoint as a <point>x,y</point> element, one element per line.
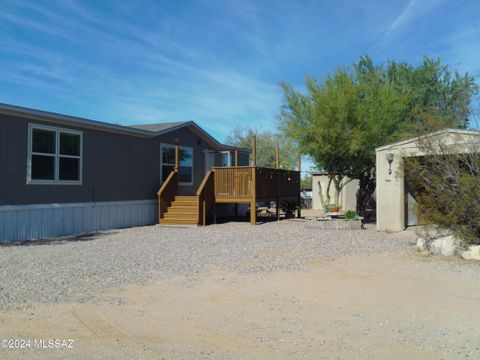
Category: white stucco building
<point>347,198</point>
<point>395,203</point>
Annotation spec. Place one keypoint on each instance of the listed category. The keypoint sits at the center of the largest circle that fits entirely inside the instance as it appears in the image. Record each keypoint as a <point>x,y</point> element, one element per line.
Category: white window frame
<point>229,162</point>
<point>161,162</point>
<point>57,156</point>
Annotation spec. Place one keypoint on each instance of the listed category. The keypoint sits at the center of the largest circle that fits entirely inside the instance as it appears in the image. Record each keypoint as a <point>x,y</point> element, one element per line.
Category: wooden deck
<point>235,185</point>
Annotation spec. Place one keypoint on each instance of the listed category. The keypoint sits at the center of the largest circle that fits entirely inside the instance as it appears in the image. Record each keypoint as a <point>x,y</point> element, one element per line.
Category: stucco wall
<point>390,191</point>
<point>347,198</point>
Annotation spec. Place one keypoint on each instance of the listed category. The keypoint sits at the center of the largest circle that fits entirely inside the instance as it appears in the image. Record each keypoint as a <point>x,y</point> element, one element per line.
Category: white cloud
<point>140,76</point>
<point>412,11</point>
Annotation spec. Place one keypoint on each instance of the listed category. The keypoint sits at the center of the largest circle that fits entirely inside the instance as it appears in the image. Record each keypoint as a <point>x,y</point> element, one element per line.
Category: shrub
<point>449,188</point>
<point>351,215</point>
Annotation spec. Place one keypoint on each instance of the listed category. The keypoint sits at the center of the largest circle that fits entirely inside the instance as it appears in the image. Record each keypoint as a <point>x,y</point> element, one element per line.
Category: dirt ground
<point>356,307</point>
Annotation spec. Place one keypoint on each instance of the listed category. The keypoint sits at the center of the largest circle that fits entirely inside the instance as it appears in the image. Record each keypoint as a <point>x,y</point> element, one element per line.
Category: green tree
<point>306,182</point>
<point>341,120</point>
<point>434,89</point>
<point>266,144</point>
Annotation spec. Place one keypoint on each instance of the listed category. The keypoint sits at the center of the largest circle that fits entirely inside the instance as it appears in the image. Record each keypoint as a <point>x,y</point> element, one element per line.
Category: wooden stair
<point>182,211</point>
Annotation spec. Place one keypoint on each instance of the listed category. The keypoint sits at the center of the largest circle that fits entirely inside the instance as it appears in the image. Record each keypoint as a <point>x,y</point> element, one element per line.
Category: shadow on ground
<point>60,240</point>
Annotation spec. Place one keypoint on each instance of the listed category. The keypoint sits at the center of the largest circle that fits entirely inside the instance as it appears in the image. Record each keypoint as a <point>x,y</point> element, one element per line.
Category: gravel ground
<point>78,269</point>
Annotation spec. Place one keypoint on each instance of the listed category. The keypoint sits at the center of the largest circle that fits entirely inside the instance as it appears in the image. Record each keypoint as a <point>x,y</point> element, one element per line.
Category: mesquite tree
<point>341,119</point>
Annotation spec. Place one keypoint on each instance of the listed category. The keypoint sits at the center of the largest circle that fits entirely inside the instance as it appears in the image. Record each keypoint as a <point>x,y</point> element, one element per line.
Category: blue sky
<point>218,63</point>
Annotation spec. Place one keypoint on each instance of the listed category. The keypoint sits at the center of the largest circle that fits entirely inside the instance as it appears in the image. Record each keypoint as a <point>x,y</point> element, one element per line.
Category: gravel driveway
<point>240,291</point>
<point>77,269</point>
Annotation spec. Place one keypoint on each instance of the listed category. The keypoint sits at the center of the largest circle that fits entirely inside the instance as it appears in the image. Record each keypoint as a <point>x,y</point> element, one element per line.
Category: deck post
<point>253,213</point>
<point>204,207</point>
<point>254,151</point>
<point>299,211</point>
<point>277,166</point>
<point>236,164</point>
<point>277,154</point>
<point>253,203</point>
<point>177,153</point>
<point>277,208</point>
<point>215,213</point>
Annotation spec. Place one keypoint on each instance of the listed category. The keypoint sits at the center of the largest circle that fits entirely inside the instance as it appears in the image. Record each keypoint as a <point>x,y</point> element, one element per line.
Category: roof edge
<point>43,115</point>
<point>61,118</point>
<point>435,133</point>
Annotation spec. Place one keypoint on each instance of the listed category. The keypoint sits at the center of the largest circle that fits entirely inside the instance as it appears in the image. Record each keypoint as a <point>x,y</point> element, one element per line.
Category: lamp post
<point>390,157</point>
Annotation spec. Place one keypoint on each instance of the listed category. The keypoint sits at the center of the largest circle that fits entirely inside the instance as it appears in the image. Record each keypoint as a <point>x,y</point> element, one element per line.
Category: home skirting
<point>40,221</point>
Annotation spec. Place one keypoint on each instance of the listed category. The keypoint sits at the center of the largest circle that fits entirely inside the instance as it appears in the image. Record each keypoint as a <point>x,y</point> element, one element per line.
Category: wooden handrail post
<point>277,154</point>
<point>254,151</point>
<point>236,164</point>
<point>177,154</point>
<point>167,193</point>
<point>204,215</point>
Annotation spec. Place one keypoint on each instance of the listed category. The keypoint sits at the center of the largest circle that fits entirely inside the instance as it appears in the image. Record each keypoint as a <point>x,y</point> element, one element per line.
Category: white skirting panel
<point>32,222</point>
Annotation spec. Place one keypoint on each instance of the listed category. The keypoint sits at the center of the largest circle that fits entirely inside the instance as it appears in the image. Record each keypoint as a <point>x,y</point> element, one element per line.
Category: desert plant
<point>351,215</point>
<point>448,183</point>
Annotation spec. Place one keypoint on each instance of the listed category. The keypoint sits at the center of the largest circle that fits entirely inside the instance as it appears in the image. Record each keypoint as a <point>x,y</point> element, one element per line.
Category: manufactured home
<point>64,175</point>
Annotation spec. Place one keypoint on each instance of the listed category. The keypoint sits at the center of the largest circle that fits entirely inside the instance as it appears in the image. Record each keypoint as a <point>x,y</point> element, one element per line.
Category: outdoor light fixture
<point>390,157</point>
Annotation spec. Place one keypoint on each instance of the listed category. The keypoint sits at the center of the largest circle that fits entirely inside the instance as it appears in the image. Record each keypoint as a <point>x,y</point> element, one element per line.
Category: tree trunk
<point>325,202</point>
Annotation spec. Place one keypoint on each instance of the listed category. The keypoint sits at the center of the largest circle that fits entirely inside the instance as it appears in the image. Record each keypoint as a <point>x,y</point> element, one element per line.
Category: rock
<point>473,253</point>
<point>432,231</point>
<point>421,244</point>
<point>444,246</point>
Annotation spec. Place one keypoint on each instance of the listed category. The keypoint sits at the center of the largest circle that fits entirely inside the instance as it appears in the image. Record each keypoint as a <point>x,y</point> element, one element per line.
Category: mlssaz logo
<point>53,343</point>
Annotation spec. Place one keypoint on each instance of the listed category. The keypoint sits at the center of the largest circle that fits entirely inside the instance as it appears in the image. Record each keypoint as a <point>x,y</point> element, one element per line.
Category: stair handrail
<point>167,192</point>
<point>206,196</point>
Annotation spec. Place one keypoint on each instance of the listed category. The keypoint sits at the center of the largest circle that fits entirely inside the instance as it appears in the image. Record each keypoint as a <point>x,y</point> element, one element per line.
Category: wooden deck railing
<point>248,183</point>
<point>239,184</point>
<point>277,183</point>
<point>206,196</point>
<point>234,184</point>
<point>167,193</point>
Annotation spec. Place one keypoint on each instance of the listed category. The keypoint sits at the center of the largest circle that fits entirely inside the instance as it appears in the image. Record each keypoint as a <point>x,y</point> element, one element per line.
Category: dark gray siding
<point>115,167</point>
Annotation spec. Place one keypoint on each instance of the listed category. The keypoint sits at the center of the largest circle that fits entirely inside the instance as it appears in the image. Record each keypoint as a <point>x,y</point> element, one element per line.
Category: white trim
<point>436,133</point>
<point>161,162</point>
<point>58,131</point>
<point>229,162</point>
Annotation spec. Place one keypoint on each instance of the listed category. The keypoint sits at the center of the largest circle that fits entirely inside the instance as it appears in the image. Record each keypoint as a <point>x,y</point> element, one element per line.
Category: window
<point>54,156</point>
<point>226,158</point>
<point>185,171</point>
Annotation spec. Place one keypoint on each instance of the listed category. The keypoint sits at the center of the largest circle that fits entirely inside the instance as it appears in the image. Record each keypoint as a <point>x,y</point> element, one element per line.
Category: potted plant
<point>333,208</point>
